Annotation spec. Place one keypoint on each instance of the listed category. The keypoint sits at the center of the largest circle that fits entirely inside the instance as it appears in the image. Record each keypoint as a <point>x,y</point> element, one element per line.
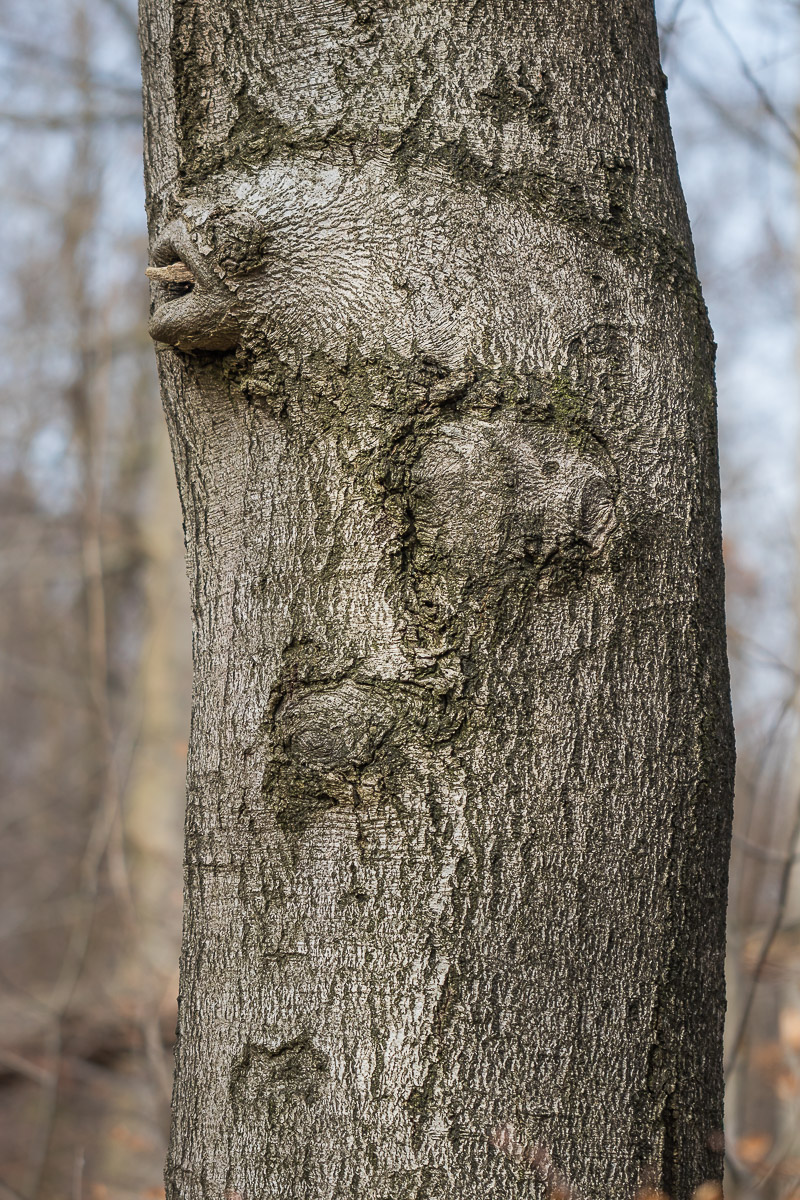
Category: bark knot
<point>261,1071</point>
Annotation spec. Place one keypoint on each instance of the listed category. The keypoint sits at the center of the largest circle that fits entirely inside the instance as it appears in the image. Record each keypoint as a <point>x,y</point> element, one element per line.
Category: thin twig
<point>8,1190</point>
<point>70,120</point>
<point>77,1173</point>
<point>126,16</point>
<point>754,137</point>
<point>765,853</point>
<point>751,78</point>
<point>668,29</point>
<point>23,1066</point>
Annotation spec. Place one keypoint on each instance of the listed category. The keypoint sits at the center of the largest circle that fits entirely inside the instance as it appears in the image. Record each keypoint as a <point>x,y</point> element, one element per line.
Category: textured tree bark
<point>442,411</point>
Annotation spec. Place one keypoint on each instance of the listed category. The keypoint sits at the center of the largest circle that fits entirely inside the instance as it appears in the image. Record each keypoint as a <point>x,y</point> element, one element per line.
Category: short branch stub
<point>176,272</point>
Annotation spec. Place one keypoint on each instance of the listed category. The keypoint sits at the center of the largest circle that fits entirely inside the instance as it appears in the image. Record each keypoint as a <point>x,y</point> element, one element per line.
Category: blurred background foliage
<point>94,637</point>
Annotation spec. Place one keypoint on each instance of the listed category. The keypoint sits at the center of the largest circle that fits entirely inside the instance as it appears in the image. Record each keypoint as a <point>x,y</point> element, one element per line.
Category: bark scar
<point>296,1066</point>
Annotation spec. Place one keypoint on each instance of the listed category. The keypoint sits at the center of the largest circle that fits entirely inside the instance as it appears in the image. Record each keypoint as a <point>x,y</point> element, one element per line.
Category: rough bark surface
<point>442,411</point>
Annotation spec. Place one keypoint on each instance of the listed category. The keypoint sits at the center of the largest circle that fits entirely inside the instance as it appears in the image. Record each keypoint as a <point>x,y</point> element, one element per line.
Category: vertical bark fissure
<point>441,402</point>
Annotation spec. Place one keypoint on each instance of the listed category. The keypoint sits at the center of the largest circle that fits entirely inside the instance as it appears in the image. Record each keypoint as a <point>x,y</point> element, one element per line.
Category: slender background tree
<point>94,653</point>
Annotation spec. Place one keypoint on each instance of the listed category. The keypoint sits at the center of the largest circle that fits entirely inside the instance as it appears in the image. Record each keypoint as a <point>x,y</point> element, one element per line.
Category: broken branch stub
<point>176,272</point>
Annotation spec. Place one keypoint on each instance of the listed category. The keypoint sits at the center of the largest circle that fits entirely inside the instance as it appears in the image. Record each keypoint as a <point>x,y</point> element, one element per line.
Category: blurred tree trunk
<point>153,821</point>
<point>153,825</point>
<point>439,382</point>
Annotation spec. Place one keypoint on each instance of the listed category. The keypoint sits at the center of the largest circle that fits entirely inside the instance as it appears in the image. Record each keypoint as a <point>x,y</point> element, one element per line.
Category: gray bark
<point>441,403</point>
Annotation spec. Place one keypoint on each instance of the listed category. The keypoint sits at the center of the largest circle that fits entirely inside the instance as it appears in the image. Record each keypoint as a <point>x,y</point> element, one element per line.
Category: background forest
<point>94,637</point>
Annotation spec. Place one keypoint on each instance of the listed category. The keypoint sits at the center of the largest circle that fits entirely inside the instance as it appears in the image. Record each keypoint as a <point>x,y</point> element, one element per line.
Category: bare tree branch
<point>754,82</point>
<point>668,28</point>
<point>764,853</point>
<point>69,65</point>
<point>71,120</point>
<point>10,1192</point>
<point>126,15</point>
<point>23,1066</point>
<point>750,133</point>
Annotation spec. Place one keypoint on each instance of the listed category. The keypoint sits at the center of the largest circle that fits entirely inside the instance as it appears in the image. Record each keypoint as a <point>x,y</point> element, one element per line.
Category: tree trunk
<point>442,411</point>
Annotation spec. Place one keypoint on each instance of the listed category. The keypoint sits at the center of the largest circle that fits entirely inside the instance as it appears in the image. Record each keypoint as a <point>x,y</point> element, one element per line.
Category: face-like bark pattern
<point>441,403</point>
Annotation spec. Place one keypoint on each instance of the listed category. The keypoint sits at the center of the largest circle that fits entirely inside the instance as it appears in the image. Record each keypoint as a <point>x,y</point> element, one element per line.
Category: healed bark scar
<point>491,497</point>
<point>260,1072</point>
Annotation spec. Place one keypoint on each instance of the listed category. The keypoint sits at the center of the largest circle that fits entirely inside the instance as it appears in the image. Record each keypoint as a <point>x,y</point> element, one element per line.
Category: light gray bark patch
<point>335,263</point>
